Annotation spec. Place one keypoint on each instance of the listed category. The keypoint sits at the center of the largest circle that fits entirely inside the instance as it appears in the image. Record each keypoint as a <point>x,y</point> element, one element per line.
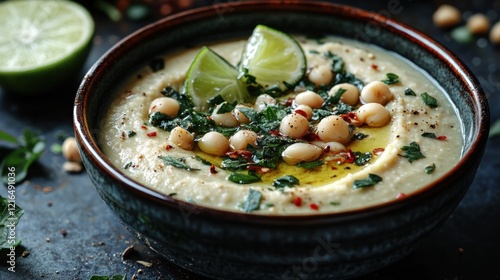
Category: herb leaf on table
<point>9,216</point>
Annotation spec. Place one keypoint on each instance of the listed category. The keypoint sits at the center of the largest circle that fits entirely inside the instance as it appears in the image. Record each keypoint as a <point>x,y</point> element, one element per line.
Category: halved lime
<point>274,58</point>
<point>210,75</point>
<point>43,44</point>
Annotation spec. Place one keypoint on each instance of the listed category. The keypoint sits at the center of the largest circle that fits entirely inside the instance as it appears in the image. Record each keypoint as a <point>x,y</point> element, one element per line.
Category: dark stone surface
<point>95,240</point>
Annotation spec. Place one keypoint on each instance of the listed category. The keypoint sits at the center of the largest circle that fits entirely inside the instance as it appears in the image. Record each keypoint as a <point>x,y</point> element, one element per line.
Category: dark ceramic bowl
<point>230,245</point>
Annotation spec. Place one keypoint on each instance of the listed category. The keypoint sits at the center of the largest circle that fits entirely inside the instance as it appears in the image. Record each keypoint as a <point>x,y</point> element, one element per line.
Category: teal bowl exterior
<point>229,245</point>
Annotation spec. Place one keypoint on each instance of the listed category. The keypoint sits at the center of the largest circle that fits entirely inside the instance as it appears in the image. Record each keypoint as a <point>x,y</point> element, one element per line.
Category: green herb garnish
<point>10,213</point>
<point>429,135</point>
<point>429,169</point>
<point>410,92</point>
<point>157,64</point>
<point>372,180</point>
<point>252,201</point>
<point>310,164</point>
<point>285,181</point>
<point>429,100</point>
<point>391,79</point>
<point>359,136</point>
<point>361,159</point>
<point>335,203</point>
<point>131,133</point>
<point>242,178</point>
<point>412,152</point>
<point>177,162</point>
<point>114,277</point>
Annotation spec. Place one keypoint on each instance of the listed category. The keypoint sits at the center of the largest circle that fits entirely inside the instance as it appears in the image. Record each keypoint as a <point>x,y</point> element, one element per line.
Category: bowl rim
<point>89,145</point>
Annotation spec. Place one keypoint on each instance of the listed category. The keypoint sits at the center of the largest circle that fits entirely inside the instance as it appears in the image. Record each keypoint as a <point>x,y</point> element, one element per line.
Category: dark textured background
<point>95,239</point>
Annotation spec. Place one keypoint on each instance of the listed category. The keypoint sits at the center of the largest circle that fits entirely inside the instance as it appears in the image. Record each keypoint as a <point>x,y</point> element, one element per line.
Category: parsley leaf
<point>372,180</point>
<point>114,277</point>
<point>412,152</point>
<point>429,100</point>
<point>391,79</point>
<point>310,164</point>
<point>177,162</point>
<point>242,178</point>
<point>361,159</point>
<point>337,62</point>
<point>10,213</point>
<point>410,92</point>
<point>429,135</point>
<point>429,169</point>
<point>285,181</point>
<point>252,201</point>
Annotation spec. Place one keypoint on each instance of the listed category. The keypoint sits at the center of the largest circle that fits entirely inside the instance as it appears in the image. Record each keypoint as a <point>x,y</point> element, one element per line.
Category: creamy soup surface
<point>137,147</point>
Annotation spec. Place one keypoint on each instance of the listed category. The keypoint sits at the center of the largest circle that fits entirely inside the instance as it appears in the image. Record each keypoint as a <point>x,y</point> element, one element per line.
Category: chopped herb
<point>361,159</point>
<point>252,201</point>
<point>225,108</point>
<point>410,92</point>
<point>372,180</point>
<point>334,98</point>
<point>285,181</point>
<point>177,162</point>
<point>313,52</point>
<point>131,133</point>
<point>310,164</point>
<point>127,166</point>
<point>157,64</point>
<point>114,277</point>
<point>172,194</point>
<point>214,101</point>
<point>337,62</point>
<point>30,147</point>
<point>429,169</point>
<point>202,160</point>
<point>359,136</point>
<point>335,203</point>
<point>241,178</point>
<point>56,148</point>
<point>412,152</point>
<point>429,135</point>
<point>391,79</point>
<point>429,100</point>
<point>344,77</point>
<point>10,213</point>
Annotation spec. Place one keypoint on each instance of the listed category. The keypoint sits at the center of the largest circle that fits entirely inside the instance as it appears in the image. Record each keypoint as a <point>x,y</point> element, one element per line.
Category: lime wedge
<point>43,44</point>
<point>210,75</point>
<point>273,58</point>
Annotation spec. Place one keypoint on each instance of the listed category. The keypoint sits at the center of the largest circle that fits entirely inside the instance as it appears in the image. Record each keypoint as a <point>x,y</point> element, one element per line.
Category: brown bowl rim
<point>90,147</point>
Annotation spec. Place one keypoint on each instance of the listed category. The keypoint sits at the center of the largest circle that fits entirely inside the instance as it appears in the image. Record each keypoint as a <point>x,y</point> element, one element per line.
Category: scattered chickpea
<point>333,147</point>
<point>301,152</point>
<point>214,143</point>
<point>225,119</point>
<point>373,114</point>
<point>376,92</point>
<point>165,105</point>
<point>333,128</point>
<point>495,34</point>
<point>70,150</point>
<point>446,16</point>
<point>350,96</point>
<point>321,75</point>
<point>241,139</point>
<point>262,101</point>
<point>182,138</point>
<point>478,24</point>
<point>309,98</point>
<point>304,109</point>
<point>294,126</point>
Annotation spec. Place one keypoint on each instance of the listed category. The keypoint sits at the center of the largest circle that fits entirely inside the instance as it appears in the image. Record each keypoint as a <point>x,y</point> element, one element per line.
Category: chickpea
<point>309,98</point>
<point>446,16</point>
<point>376,92</point>
<point>240,117</point>
<point>373,114</point>
<point>182,138</point>
<point>214,143</point>
<point>299,152</point>
<point>225,119</point>
<point>478,24</point>
<point>262,101</point>
<point>294,126</point>
<point>495,34</point>
<point>333,147</point>
<point>304,109</point>
<point>321,75</point>
<point>165,105</point>
<point>70,150</point>
<point>333,128</point>
<point>350,96</point>
<point>241,139</point>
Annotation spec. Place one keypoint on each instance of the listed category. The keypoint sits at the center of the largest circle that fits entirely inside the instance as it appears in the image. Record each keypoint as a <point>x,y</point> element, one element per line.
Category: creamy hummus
<point>134,146</point>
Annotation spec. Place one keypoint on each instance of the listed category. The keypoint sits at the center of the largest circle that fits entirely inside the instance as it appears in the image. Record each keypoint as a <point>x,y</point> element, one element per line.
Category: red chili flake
<point>349,156</point>
<point>144,127</point>
<point>274,132</point>
<point>378,151</point>
<point>212,169</point>
<point>311,136</point>
<point>442,138</point>
<point>151,134</point>
<point>154,107</point>
<point>288,102</point>
<point>326,149</point>
<point>235,154</point>
<point>301,112</point>
<point>314,206</point>
<point>297,201</point>
<point>350,117</point>
<point>259,169</point>
<point>334,168</point>
<point>374,66</point>
<point>400,195</point>
<point>168,147</point>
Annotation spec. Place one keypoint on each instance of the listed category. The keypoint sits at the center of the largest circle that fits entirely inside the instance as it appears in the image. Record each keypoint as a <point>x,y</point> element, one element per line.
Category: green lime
<point>210,75</point>
<point>274,58</point>
<point>43,44</point>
